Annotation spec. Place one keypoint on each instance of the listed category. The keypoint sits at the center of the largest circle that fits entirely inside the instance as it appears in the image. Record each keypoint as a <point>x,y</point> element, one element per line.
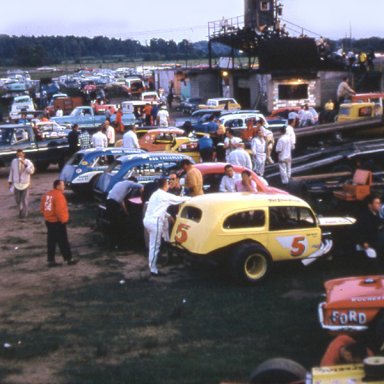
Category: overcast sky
<point>178,19</point>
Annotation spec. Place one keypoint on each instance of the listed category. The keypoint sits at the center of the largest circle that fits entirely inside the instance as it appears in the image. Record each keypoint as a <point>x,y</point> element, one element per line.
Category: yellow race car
<point>251,231</point>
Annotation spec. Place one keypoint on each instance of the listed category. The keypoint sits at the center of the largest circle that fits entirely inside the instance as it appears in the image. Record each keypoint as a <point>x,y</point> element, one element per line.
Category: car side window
<point>281,218</point>
<point>246,219</point>
<point>365,111</point>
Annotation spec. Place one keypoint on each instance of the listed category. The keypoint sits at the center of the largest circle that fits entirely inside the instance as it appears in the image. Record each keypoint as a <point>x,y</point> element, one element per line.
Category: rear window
<point>365,111</point>
<point>247,219</point>
<point>191,213</point>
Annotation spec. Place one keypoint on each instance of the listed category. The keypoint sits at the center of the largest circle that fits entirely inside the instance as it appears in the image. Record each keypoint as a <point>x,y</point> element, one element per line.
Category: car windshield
<point>5,135</point>
<point>76,159</point>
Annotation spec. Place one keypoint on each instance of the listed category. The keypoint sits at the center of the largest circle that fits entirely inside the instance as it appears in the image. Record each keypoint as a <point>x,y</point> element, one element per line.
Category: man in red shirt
<point>55,211</point>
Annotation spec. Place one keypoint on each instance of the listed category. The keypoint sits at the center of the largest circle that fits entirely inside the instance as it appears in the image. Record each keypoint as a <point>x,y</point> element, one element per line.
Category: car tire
<point>250,263</point>
<point>42,166</point>
<point>278,370</point>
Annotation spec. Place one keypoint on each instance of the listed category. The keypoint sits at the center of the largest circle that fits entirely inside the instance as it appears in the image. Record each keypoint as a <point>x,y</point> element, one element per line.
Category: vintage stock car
<point>251,231</point>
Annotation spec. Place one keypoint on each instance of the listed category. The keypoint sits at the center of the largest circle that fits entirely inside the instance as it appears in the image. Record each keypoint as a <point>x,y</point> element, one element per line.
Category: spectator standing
<point>258,147</point>
<point>230,143</point>
<point>116,210</point>
<point>55,211</point>
<point>218,141</point>
<point>119,121</point>
<point>148,114</point>
<point>19,181</point>
<point>290,130</point>
<point>251,130</point>
<point>73,140</point>
<point>206,148</point>
<point>156,220</point>
<point>368,227</point>
<point>110,133</point>
<point>228,181</point>
<point>130,139</point>
<point>154,111</point>
<point>163,117</point>
<point>99,139</point>
<point>108,113</point>
<point>84,139</point>
<point>284,150</point>
<point>59,112</point>
<point>306,117</point>
<point>246,184</point>
<point>240,156</point>
<point>193,178</point>
<point>344,91</point>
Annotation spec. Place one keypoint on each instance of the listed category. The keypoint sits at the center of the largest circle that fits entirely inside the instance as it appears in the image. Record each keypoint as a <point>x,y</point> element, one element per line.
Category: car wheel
<point>250,263</point>
<point>278,370</point>
<point>42,166</point>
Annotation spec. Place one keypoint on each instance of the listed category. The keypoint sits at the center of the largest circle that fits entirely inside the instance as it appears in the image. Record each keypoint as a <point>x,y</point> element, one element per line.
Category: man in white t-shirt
<point>110,132</point>
<point>163,117</point>
<point>130,139</point>
<point>99,139</point>
<point>284,150</point>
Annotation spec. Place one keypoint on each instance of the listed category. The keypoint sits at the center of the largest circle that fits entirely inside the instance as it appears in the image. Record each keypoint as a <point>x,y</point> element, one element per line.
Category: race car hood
<point>364,291</point>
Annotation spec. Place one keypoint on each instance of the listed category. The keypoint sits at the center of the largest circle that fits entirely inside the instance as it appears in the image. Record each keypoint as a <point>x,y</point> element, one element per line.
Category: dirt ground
<point>26,280</point>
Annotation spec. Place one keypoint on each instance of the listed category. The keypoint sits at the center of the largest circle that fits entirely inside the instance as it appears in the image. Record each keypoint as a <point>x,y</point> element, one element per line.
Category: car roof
<point>239,200</point>
<point>162,130</point>
<point>111,151</point>
<point>154,157</point>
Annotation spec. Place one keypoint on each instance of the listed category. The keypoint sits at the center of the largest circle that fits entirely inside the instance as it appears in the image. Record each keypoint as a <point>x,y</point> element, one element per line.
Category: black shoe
<point>155,274</point>
<point>72,261</point>
<point>52,264</point>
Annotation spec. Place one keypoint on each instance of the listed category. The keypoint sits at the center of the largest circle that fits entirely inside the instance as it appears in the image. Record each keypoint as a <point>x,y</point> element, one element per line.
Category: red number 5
<point>297,247</point>
<point>181,233</point>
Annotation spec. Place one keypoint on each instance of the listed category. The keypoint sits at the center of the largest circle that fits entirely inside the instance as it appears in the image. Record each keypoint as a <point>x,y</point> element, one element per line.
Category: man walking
<point>20,179</point>
<point>155,220</point>
<point>55,211</point>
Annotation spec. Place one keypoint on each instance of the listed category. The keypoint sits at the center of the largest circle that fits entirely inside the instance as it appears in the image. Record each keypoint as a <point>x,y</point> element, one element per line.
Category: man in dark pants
<point>117,210</point>
<point>73,140</point>
<point>55,211</point>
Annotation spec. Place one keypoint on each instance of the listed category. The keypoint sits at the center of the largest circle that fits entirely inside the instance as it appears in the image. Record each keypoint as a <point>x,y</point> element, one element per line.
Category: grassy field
<point>193,325</point>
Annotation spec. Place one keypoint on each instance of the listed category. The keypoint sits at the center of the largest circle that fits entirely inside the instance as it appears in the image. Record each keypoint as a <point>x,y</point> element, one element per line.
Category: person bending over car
<point>156,220</point>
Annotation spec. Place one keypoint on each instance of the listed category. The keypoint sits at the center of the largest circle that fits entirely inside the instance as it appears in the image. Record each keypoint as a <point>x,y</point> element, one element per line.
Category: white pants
<point>285,170</point>
<point>259,160</point>
<point>155,230</point>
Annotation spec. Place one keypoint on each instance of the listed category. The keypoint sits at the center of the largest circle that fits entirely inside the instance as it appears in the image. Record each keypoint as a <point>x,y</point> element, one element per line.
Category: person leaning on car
<point>115,204</point>
<point>193,178</point>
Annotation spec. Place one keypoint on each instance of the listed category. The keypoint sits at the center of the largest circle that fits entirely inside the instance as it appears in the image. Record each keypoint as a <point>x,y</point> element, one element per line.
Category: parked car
<point>352,304</point>
<point>82,170</point>
<point>22,104</point>
<point>172,140</point>
<point>221,103</point>
<point>213,173</point>
<point>248,232</point>
<point>358,111</point>
<point>198,117</point>
<point>239,119</point>
<point>144,168</point>
<point>190,104</point>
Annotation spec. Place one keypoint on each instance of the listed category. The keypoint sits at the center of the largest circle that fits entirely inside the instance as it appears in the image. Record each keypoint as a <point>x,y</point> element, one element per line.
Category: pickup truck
<point>86,118</point>
<point>220,103</point>
<point>41,150</point>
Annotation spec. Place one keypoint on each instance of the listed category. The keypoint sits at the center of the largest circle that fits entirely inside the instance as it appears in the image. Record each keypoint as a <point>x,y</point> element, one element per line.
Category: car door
<point>293,232</point>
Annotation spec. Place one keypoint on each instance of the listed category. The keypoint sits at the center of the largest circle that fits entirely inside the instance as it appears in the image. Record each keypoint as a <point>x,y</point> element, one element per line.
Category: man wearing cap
<point>163,117</point>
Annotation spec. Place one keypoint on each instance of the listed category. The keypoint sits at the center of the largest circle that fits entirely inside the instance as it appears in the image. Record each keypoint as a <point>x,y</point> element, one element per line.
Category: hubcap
<point>255,266</point>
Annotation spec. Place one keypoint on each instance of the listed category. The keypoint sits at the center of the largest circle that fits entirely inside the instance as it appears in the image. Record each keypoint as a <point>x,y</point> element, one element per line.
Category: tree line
<point>32,51</point>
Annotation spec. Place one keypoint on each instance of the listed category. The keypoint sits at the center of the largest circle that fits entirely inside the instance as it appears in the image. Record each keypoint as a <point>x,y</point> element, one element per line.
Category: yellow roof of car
<point>228,201</point>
